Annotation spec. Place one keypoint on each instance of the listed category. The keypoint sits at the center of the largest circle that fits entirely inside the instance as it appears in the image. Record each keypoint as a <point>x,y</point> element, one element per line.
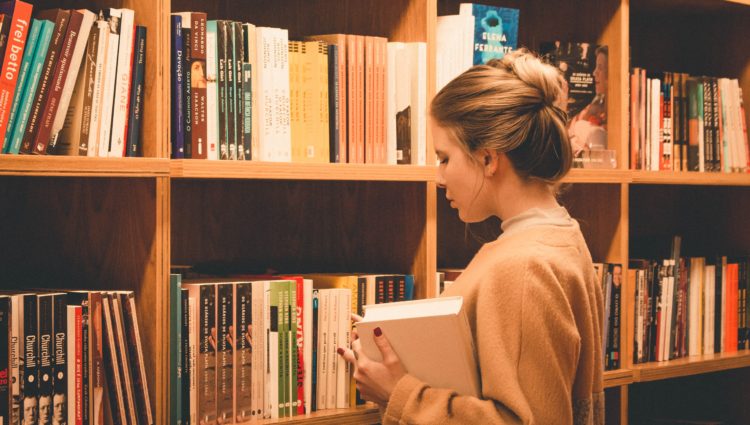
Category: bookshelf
<point>95,223</point>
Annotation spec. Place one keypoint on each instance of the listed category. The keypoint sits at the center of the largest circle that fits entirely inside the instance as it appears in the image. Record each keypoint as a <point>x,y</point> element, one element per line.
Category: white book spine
<point>121,96</point>
<point>333,357</point>
<point>108,92</point>
<point>343,386</point>
<point>282,124</point>
<point>656,135</point>
<point>96,101</point>
<point>418,63</point>
<point>265,95</point>
<point>212,112</point>
<point>323,319</point>
<point>72,77</point>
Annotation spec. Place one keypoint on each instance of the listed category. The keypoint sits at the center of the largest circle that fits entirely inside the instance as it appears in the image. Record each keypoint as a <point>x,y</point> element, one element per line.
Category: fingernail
<point>340,351</point>
<point>377,331</point>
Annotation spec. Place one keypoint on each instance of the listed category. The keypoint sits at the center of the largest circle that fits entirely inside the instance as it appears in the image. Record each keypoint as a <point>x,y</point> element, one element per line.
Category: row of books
<point>680,122</point>
<point>610,277</point>
<point>65,353</point>
<point>245,92</point>
<point>266,347</point>
<point>691,306</point>
<point>73,83</point>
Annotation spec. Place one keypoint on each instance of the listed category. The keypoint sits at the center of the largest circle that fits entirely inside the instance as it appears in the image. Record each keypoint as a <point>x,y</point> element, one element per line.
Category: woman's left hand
<point>375,380</point>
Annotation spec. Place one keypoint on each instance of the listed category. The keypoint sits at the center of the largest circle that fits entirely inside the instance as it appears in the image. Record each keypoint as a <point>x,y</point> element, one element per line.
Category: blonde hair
<point>509,106</point>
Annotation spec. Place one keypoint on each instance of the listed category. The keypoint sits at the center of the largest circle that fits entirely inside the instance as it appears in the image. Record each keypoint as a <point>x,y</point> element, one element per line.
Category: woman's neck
<point>517,198</point>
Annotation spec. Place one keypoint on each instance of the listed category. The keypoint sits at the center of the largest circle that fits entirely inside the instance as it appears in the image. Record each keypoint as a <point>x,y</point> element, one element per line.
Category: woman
<point>531,296</point>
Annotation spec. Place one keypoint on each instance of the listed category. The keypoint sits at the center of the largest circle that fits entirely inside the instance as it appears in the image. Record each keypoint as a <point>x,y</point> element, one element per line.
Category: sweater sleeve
<point>527,347</point>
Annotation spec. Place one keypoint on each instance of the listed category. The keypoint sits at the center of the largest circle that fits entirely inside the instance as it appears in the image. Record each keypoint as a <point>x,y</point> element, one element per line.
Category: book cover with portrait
<point>495,30</point>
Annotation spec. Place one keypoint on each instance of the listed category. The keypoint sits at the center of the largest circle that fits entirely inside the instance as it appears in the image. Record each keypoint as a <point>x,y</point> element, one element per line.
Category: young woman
<point>533,303</point>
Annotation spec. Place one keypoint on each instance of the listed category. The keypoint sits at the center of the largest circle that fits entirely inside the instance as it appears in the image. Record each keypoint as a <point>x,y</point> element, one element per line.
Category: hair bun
<point>530,69</point>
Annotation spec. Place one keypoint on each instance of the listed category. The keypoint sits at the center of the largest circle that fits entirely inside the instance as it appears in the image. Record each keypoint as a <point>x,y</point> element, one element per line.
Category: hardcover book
<point>431,337</point>
<point>495,30</point>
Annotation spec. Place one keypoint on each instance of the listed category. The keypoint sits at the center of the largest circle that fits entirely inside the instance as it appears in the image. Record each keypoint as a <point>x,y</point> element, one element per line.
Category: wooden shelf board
<point>616,378</point>
<point>694,365</point>
<point>580,175</point>
<point>691,178</point>
<point>73,166</point>
<point>205,169</point>
<point>367,414</point>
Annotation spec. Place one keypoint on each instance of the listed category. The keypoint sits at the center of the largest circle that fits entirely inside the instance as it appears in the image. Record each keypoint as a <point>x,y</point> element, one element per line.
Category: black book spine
<point>60,362</point>
<point>221,55</point>
<point>243,146</point>
<point>46,355</point>
<point>30,355</point>
<point>137,93</point>
<point>231,91</point>
<point>5,400</point>
<point>184,294</point>
<point>243,314</point>
<point>224,362</point>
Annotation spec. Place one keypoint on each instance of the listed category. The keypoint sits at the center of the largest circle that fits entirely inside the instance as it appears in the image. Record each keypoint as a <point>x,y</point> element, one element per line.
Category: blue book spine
<point>178,112</point>
<point>495,31</point>
<point>136,93</point>
<point>23,75</point>
<point>409,287</point>
<point>27,95</point>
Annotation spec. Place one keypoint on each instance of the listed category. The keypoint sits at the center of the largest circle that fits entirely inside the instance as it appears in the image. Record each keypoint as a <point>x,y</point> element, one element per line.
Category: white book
<point>258,377</point>
<point>282,118</point>
<point>70,80</point>
<point>454,53</point>
<point>418,63</point>
<point>265,96</point>
<point>647,125</point>
<point>656,135</point>
<point>333,340</point>
<point>708,323</point>
<point>307,329</point>
<point>99,78</point>
<point>343,386</point>
<point>108,89</point>
<point>212,111</point>
<point>694,298</point>
<point>323,319</point>
<point>121,96</point>
<point>432,338</point>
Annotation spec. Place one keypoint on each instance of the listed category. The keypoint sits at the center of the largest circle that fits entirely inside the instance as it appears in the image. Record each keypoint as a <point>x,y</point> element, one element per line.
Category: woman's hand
<point>375,380</point>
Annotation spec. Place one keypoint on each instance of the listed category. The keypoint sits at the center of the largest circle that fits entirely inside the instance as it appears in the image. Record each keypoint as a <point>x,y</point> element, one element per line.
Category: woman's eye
<point>444,160</point>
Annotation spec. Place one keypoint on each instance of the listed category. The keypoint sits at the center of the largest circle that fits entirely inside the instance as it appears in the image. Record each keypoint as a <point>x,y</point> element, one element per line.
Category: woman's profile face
<point>461,176</point>
<point>601,74</point>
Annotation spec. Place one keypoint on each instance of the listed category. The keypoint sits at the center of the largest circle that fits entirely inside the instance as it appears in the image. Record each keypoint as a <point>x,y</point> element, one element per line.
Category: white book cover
<point>656,135</point>
<point>307,329</point>
<point>212,110</point>
<point>282,122</point>
<point>418,63</point>
<point>432,338</point>
<point>647,124</point>
<point>108,89</point>
<point>96,102</point>
<point>323,319</point>
<point>121,97</point>
<point>343,386</point>
<point>454,53</point>
<point>333,357</point>
<point>70,79</point>
<point>258,377</point>
<point>265,96</point>
<point>694,298</point>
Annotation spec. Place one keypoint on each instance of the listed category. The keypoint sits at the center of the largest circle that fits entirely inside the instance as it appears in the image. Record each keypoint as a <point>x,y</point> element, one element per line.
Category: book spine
<point>300,343</point>
<point>74,364</point>
<point>109,75</point>
<point>212,107</point>
<point>207,390</point>
<point>247,110</point>
<point>243,146</point>
<point>197,84</point>
<point>333,105</point>
<point>185,362</point>
<point>136,360</point>
<point>243,352</point>
<point>178,121</point>
<point>314,372</point>
<point>86,369</point>
<point>61,356</point>
<point>45,81</point>
<point>96,82</point>
<point>231,91</point>
<point>121,94</point>
<point>115,385</point>
<point>23,76</point>
<point>30,355</point>
<point>57,82</point>
<point>12,59</point>
<point>187,76</point>
<point>135,121</point>
<point>5,360</point>
<point>175,349</point>
<point>46,346</point>
<point>221,55</point>
<point>224,353</point>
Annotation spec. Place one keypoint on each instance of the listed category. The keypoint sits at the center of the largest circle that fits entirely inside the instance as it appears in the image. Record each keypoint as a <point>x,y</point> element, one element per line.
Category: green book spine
<point>175,348</point>
<point>27,95</point>
<point>292,333</point>
<point>23,75</point>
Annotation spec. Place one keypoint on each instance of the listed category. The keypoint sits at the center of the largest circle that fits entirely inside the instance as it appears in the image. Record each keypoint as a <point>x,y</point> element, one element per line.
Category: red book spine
<point>19,30</point>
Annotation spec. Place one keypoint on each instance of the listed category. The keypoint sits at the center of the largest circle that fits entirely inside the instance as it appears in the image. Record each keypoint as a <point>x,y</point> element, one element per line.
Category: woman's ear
<point>490,160</point>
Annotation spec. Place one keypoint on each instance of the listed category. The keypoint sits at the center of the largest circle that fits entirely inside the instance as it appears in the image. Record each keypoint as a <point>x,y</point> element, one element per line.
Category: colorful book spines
<point>11,66</point>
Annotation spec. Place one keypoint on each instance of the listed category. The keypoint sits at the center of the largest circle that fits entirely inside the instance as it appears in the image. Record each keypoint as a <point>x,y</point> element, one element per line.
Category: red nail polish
<point>340,351</point>
<point>377,331</point>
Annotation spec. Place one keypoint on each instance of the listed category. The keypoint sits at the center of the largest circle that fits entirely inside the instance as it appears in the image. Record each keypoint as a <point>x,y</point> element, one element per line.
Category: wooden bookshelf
<point>104,223</point>
<point>695,365</point>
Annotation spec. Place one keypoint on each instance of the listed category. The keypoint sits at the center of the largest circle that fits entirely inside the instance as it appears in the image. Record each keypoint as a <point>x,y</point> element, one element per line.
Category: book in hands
<point>432,338</point>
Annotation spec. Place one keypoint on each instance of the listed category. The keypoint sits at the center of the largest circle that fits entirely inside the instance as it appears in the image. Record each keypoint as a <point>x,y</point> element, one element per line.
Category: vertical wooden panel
<point>425,261</point>
<point>163,228</point>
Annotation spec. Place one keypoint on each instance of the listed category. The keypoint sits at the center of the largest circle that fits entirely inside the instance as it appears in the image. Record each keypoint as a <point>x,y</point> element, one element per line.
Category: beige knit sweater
<point>535,311</point>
